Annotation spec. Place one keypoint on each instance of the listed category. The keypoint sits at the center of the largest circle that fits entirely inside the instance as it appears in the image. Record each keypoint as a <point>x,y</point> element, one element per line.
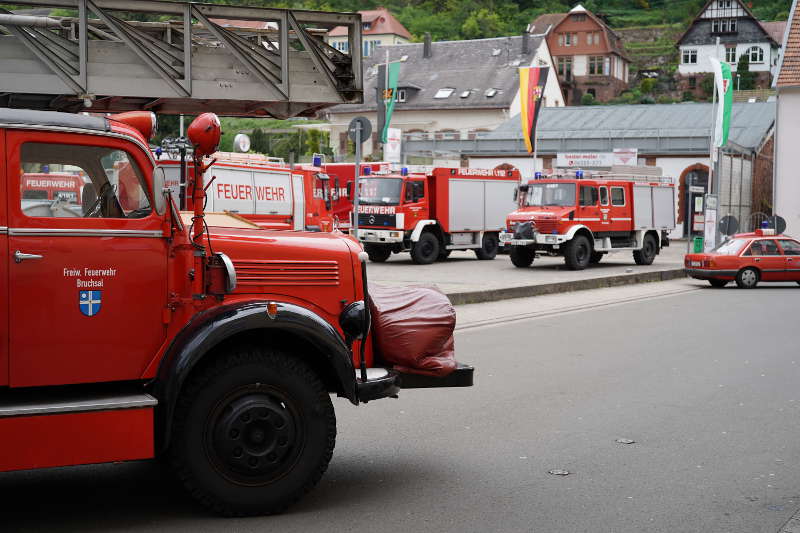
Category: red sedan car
<point>748,258</point>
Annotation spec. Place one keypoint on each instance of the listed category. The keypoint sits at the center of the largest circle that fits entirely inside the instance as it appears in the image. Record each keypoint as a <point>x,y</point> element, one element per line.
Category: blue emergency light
<point>404,171</point>
<point>579,174</point>
<point>537,175</point>
<point>317,161</point>
<point>764,224</point>
<point>367,171</point>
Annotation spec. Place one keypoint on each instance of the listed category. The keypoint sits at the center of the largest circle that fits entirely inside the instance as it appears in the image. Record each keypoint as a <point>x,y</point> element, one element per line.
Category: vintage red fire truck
<point>432,214</point>
<point>129,334</point>
<point>583,219</point>
<point>272,194</point>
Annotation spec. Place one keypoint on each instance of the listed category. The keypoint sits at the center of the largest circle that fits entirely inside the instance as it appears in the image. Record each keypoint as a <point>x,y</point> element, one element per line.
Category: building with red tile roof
<point>379,28</point>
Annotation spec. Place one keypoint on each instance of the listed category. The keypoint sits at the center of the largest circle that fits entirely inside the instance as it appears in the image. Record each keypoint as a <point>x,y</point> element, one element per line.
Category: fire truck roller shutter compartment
<point>663,208</point>
<point>643,206</point>
<point>499,203</point>
<point>477,205</point>
<point>272,192</point>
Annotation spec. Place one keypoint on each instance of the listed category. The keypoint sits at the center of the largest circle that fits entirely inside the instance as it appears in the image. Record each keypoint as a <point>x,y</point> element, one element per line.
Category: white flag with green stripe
<point>724,86</point>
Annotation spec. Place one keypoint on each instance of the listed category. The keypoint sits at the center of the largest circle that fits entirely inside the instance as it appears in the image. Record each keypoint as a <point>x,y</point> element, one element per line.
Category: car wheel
<point>522,256</point>
<point>253,432</point>
<point>426,250</point>
<point>718,283</point>
<point>378,254</point>
<point>647,254</point>
<point>578,253</point>
<point>596,257</point>
<point>747,278</point>
<point>489,245</point>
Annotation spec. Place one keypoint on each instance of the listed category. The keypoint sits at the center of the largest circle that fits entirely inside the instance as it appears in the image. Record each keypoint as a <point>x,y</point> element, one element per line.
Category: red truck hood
<point>525,214</point>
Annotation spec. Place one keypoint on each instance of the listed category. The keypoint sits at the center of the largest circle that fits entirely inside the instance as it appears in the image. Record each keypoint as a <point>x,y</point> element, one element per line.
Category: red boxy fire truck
<point>271,194</point>
<point>129,335</point>
<point>432,214</point>
<point>584,219</point>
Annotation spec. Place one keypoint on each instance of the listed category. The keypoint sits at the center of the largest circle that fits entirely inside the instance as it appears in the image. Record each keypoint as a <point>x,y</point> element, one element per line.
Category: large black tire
<point>578,252</point>
<point>718,283</point>
<point>489,246</point>
<point>377,253</point>
<point>444,253</point>
<point>596,257</point>
<point>647,254</point>
<point>522,256</point>
<point>426,250</point>
<point>253,432</point>
<point>747,278</point>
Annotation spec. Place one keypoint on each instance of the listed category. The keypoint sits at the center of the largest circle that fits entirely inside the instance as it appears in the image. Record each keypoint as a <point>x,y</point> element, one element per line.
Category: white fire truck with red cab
<point>583,216</point>
<point>133,331</point>
<point>432,214</point>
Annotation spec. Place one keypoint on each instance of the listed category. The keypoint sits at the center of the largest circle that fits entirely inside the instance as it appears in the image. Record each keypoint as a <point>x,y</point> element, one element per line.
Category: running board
<point>462,376</point>
<point>48,427</point>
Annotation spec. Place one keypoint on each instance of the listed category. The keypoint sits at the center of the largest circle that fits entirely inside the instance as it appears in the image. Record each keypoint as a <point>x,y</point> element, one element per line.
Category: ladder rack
<point>193,57</point>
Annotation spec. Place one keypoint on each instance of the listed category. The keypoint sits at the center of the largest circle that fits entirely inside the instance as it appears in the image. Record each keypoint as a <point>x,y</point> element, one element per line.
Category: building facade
<point>739,34</point>
<point>588,54</point>
<point>787,128</point>
<point>378,28</point>
<point>448,89</point>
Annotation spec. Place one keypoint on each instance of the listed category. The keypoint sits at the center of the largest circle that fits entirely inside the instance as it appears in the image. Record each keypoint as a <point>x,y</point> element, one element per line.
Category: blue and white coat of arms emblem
<point>89,302</point>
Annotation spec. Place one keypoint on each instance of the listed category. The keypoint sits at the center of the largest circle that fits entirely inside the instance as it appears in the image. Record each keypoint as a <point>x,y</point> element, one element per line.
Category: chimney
<point>525,47</point>
<point>426,46</point>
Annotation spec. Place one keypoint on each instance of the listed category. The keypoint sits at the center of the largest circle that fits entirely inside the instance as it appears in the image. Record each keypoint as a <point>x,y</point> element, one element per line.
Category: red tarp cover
<point>413,328</point>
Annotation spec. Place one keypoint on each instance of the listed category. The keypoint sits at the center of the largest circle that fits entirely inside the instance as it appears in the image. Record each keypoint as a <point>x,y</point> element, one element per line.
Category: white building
<point>449,89</point>
<point>787,130</point>
<point>378,28</point>
<point>739,33</point>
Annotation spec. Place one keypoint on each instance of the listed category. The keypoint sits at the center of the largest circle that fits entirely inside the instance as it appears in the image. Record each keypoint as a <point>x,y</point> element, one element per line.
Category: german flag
<point>531,89</point>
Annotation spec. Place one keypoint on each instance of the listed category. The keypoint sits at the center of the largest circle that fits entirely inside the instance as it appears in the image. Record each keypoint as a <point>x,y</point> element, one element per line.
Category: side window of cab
<point>415,191</point>
<point>80,181</point>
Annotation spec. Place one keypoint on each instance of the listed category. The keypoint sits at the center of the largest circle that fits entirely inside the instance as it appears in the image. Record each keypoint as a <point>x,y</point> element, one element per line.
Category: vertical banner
<point>531,89</point>
<point>389,82</point>
<point>392,148</point>
<point>724,87</point>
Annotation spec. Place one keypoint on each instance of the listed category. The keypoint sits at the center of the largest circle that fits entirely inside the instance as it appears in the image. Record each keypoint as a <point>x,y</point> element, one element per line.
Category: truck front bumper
<point>380,235</point>
<point>506,237</point>
<point>386,382</point>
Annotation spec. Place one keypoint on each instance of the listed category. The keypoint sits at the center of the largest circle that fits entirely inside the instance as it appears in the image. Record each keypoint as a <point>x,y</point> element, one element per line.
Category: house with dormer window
<point>739,33</point>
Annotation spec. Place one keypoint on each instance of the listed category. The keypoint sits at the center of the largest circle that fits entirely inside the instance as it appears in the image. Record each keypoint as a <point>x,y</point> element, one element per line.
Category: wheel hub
<point>253,435</point>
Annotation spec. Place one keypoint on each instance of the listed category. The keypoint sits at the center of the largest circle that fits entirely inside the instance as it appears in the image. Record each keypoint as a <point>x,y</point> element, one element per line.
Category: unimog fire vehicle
<point>432,214</point>
<point>584,219</point>
<point>130,334</point>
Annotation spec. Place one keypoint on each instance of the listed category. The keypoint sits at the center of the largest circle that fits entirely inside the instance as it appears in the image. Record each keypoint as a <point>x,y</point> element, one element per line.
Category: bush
<point>688,96</point>
<point>707,84</point>
<point>665,99</point>
<point>647,99</point>
<point>648,85</point>
<point>587,99</point>
<point>747,79</point>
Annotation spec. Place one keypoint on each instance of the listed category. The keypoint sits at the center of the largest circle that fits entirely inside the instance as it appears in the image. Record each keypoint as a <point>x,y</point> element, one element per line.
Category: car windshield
<point>550,194</point>
<point>380,191</point>
<point>730,247</point>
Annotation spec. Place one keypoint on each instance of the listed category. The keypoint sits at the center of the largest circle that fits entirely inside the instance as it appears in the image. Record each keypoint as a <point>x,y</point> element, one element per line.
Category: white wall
<point>711,50</point>
<point>787,180</point>
<point>553,97</point>
<point>580,66</point>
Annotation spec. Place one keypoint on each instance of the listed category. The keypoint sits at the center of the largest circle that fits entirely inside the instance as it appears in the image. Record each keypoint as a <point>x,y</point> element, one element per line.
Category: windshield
<point>730,247</point>
<point>545,194</point>
<point>380,191</point>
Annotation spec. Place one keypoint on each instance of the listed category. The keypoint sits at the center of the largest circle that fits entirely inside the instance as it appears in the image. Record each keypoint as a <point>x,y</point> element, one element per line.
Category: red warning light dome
<point>204,133</point>
<point>143,121</point>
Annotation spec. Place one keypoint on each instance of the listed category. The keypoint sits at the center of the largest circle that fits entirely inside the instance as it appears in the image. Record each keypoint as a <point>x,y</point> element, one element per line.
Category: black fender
<point>207,330</point>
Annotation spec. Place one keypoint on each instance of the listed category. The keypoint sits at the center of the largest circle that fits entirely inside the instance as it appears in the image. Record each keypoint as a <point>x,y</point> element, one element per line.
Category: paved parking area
<point>463,272</point>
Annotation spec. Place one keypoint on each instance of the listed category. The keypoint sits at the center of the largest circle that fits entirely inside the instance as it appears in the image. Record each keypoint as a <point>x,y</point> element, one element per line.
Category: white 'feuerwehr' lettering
<point>377,209</point>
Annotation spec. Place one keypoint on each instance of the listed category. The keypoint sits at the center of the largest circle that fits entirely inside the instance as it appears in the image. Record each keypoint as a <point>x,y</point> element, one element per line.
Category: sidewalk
<point>466,280</point>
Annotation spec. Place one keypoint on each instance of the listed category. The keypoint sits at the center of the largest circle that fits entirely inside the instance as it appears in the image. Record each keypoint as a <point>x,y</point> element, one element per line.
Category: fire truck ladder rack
<point>232,60</point>
<point>610,175</point>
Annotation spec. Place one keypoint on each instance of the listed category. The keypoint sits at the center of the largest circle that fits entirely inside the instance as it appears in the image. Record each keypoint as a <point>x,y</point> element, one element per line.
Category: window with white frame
<point>400,96</point>
<point>444,93</point>
<point>756,54</point>
<point>595,65</point>
<point>342,46</point>
<point>369,47</point>
<point>730,55</point>
<point>690,57</point>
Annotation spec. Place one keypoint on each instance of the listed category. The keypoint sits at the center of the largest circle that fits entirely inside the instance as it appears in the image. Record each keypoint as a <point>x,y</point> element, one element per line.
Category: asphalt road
<point>704,381</point>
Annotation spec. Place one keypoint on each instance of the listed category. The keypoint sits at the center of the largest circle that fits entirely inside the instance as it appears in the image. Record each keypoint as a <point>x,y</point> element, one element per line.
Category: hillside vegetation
<point>473,19</point>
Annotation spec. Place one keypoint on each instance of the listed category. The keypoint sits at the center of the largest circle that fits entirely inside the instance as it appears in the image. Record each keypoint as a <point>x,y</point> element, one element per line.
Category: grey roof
<point>749,122</point>
<point>28,117</point>
<point>475,65</point>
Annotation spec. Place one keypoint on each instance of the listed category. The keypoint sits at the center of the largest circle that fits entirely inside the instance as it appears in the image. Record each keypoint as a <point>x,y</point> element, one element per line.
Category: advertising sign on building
<point>626,156</point>
<point>585,160</point>
<point>393,148</point>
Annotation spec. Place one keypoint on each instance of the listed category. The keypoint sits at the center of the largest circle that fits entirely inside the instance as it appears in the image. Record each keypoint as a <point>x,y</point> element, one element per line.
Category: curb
<point>474,297</point>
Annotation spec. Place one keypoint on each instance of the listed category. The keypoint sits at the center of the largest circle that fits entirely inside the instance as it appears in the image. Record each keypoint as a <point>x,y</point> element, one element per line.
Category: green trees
<point>744,79</point>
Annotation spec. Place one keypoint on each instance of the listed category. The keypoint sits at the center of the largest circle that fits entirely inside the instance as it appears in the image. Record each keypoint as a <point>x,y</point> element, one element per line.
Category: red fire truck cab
<point>584,219</point>
<point>432,214</point>
<point>130,334</point>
